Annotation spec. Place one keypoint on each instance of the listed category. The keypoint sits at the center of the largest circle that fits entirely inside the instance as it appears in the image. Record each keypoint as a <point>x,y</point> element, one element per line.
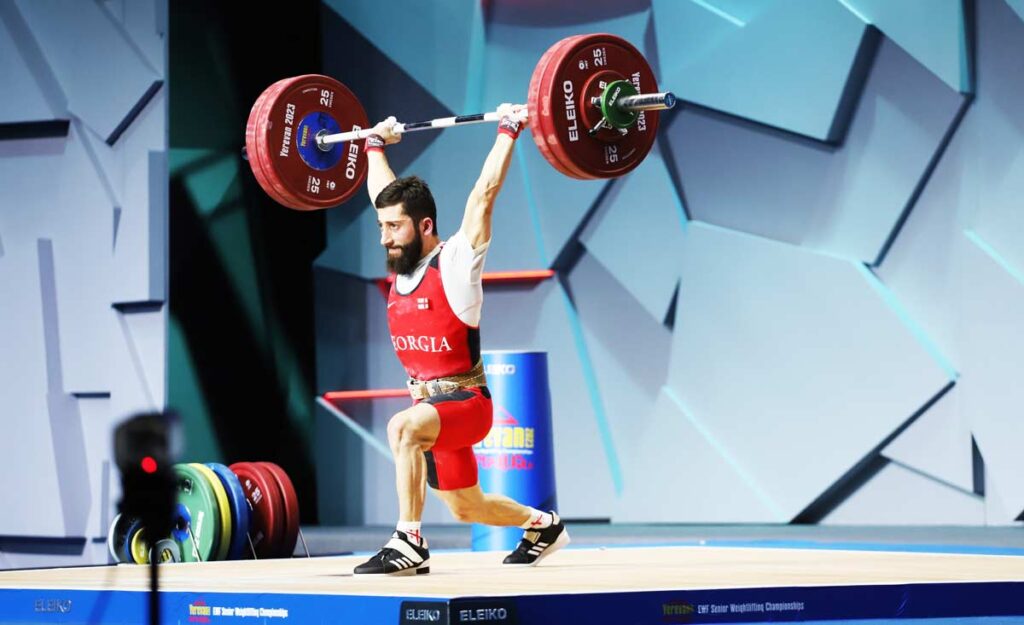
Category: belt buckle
<point>433,387</point>
<point>416,389</point>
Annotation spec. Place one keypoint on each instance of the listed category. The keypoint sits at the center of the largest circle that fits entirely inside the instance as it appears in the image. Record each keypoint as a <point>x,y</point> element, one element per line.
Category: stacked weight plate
<point>247,510</point>
<point>280,140</point>
<point>569,75</point>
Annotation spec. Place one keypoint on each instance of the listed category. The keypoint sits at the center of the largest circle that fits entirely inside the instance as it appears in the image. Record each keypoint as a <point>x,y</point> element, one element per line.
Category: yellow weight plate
<point>222,503</point>
<point>140,548</point>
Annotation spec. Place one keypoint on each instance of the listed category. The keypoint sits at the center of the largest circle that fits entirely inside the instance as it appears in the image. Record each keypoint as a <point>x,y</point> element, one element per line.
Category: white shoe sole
<point>420,569</point>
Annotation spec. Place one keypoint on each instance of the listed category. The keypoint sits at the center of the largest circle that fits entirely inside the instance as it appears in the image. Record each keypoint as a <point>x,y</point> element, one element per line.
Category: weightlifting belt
<point>422,389</point>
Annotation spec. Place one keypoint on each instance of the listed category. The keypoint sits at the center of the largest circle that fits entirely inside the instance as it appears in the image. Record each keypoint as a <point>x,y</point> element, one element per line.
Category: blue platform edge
<point>745,605</point>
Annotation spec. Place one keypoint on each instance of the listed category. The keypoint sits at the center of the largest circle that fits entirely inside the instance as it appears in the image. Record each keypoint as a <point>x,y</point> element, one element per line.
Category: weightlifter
<point>434,317</point>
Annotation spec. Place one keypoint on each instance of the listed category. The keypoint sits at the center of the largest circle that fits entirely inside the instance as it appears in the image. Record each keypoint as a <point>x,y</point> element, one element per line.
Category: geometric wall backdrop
<point>785,63</point>
<point>83,175</point>
<point>804,306</point>
<point>939,43</point>
<point>802,333</point>
<point>843,199</point>
<point>614,235</point>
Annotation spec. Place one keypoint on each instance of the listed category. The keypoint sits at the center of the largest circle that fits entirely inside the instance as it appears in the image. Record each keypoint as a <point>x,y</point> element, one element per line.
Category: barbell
<point>593,107</point>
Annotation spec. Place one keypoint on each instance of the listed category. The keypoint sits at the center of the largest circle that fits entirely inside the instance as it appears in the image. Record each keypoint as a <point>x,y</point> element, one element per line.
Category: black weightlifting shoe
<point>399,556</point>
<point>539,544</point>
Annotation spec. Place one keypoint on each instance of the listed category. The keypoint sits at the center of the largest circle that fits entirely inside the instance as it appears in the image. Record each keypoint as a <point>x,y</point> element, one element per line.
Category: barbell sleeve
<point>643,102</point>
<point>647,102</point>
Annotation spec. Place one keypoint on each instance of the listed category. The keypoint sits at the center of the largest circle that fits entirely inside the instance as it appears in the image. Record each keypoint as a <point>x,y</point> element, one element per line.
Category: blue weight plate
<point>239,510</point>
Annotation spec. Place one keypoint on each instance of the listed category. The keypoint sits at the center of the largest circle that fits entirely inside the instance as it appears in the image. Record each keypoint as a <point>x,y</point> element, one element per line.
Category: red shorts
<point>466,418</point>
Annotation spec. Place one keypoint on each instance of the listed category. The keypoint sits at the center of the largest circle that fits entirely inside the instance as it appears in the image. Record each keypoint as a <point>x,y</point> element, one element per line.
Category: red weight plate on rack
<point>291,508</point>
<point>276,497</point>
<point>266,524</point>
<point>567,76</point>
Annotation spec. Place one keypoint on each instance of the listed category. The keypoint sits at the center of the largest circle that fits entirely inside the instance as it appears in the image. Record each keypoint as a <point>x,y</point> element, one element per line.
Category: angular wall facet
<point>792,360</point>
<point>842,200</point>
<point>899,496</point>
<point>788,67</point>
<point>83,47</point>
<point>937,444</point>
<point>933,32</point>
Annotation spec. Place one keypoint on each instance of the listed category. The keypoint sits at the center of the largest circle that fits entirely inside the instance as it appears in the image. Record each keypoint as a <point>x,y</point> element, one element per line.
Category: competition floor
<point>615,585</point>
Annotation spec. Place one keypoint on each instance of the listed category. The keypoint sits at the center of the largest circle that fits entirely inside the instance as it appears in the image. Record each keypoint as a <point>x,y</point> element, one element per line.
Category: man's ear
<point>427,227</point>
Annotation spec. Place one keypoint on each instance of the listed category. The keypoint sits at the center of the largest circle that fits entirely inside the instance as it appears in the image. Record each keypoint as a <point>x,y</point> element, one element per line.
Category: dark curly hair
<point>413,193</point>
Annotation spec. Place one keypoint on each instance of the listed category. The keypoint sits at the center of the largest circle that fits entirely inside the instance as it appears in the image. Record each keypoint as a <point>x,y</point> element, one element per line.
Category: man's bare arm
<point>379,174</point>
<point>476,221</point>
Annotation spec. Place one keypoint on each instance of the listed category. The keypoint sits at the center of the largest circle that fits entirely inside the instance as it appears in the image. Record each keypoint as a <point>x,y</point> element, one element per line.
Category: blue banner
<point>990,603</point>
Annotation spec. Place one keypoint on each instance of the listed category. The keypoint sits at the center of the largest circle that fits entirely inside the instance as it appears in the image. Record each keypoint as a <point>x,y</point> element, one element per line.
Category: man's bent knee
<point>404,429</point>
<point>396,429</point>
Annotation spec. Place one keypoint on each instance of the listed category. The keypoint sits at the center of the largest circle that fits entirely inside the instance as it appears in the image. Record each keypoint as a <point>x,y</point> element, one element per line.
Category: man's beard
<point>408,257</point>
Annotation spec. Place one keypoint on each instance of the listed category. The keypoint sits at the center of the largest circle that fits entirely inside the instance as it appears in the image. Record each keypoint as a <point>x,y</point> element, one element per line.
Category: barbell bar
<point>637,103</point>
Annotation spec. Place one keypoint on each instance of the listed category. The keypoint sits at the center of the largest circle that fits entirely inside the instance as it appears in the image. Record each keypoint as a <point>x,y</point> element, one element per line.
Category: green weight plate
<point>197,517</point>
<point>611,94</point>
